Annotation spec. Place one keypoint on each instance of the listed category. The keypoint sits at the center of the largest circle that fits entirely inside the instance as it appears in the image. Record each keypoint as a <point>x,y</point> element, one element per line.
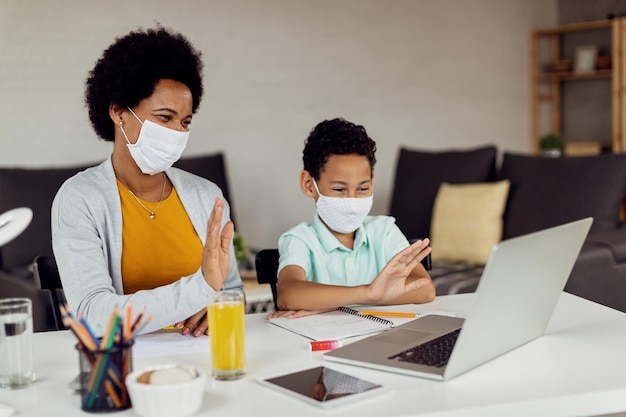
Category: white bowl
<point>175,399</point>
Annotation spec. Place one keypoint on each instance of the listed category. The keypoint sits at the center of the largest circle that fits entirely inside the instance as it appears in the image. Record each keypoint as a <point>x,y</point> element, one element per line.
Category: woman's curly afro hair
<point>336,137</point>
<point>131,67</point>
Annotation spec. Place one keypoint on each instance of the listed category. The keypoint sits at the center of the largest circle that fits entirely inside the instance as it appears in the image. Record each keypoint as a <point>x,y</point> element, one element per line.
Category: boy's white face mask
<point>157,147</point>
<point>343,214</point>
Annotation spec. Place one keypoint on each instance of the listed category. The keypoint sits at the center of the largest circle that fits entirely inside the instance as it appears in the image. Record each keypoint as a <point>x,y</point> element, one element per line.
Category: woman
<point>133,230</point>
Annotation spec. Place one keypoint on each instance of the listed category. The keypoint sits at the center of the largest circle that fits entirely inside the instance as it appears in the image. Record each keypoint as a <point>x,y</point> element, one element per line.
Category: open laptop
<point>516,295</point>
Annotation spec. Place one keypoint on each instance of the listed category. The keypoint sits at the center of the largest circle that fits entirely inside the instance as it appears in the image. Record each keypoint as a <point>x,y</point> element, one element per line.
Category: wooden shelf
<point>566,76</point>
<point>575,27</point>
<point>586,148</point>
<point>553,46</point>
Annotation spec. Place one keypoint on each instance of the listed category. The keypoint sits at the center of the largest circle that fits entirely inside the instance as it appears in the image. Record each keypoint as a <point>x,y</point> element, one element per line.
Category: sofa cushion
<point>467,221</point>
<point>597,277</point>
<point>419,175</point>
<point>612,240</point>
<point>212,167</point>
<point>547,192</point>
<point>455,277</point>
<point>34,188</point>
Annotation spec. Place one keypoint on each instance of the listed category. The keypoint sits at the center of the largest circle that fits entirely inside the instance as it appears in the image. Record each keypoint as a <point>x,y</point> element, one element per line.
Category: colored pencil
<point>141,326</point>
<point>103,360</point>
<point>137,320</point>
<point>105,374</point>
<point>128,324</point>
<point>111,391</point>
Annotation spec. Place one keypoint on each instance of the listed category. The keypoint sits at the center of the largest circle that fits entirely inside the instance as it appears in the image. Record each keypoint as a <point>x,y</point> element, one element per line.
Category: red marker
<point>325,345</point>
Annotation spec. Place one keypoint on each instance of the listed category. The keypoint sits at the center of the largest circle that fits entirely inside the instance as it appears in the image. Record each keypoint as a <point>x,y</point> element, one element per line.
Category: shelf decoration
<point>551,144</point>
<point>561,66</point>
<point>585,59</point>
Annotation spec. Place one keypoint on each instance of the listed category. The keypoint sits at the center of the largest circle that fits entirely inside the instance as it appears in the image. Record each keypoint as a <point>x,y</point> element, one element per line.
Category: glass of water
<point>16,343</point>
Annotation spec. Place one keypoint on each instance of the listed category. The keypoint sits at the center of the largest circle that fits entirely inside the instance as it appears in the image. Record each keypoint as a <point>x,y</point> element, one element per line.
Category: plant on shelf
<point>552,144</point>
<point>241,249</point>
<point>243,254</point>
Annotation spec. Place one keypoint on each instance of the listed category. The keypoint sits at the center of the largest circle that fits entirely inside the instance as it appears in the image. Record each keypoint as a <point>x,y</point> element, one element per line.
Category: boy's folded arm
<point>296,293</point>
<point>299,294</point>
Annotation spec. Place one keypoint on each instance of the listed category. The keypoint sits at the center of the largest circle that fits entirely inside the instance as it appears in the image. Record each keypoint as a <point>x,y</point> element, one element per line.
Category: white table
<point>577,369</point>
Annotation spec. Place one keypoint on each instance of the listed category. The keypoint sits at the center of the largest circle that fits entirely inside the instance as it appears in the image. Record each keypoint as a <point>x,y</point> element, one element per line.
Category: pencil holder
<point>103,377</point>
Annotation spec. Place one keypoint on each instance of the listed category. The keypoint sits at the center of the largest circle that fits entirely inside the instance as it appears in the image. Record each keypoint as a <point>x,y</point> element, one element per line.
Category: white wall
<point>430,74</point>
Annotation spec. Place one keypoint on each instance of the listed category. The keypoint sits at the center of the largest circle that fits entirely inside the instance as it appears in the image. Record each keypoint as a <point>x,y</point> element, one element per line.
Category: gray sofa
<point>543,192</point>
<point>36,188</point>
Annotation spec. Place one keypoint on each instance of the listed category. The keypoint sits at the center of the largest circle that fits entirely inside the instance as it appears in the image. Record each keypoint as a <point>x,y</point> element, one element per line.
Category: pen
<point>388,313</point>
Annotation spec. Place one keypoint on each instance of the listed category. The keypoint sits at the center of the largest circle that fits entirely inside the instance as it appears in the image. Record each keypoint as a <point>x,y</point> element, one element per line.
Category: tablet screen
<point>322,386</point>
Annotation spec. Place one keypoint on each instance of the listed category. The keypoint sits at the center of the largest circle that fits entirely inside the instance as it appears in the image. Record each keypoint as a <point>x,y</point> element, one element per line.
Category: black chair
<point>266,264</point>
<point>44,316</point>
<point>46,276</point>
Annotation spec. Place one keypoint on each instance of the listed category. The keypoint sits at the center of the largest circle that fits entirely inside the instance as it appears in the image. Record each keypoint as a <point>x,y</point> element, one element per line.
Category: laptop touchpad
<point>402,337</point>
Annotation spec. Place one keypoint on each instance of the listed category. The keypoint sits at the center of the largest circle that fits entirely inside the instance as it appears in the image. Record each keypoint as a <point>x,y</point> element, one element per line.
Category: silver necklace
<point>152,215</point>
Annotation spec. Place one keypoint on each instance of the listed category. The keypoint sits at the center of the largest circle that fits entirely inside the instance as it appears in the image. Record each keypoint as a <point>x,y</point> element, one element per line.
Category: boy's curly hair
<point>130,68</point>
<point>336,137</point>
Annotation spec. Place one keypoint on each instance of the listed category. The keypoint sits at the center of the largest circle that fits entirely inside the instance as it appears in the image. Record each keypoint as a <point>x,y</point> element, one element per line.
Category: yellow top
<point>157,251</point>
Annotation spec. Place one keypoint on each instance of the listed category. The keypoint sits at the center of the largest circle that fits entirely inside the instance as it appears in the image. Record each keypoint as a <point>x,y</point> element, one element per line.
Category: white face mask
<point>157,147</point>
<point>343,214</point>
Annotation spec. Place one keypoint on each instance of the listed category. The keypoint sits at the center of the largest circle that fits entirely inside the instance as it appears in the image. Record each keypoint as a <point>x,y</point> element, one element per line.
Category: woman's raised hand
<point>216,257</point>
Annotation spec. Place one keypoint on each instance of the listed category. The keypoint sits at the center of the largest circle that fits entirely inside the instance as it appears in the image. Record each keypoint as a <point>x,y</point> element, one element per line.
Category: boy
<point>344,256</point>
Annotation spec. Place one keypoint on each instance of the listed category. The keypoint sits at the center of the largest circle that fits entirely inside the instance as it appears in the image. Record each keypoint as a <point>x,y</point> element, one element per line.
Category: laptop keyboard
<point>433,353</point>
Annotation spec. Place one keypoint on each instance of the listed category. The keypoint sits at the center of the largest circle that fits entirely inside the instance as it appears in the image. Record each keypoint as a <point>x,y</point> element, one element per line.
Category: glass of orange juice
<point>227,334</point>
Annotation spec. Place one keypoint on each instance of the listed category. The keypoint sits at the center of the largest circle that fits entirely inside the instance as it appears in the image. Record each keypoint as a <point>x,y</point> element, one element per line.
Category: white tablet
<point>323,387</point>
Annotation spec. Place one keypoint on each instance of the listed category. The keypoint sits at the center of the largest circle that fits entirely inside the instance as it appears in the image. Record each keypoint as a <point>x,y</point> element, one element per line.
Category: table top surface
<point>576,368</point>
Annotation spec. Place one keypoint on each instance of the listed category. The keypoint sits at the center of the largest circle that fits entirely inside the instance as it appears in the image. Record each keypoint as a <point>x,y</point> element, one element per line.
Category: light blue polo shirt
<point>325,260</point>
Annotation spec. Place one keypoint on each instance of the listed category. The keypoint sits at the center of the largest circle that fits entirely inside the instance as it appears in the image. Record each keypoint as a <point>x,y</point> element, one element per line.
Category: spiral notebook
<point>334,325</point>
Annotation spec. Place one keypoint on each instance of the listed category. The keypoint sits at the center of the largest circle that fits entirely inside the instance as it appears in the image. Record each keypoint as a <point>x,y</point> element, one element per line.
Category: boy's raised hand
<point>391,283</point>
